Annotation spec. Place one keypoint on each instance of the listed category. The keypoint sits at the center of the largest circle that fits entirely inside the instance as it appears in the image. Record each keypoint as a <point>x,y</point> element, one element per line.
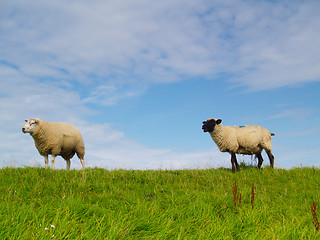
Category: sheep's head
<point>208,126</point>
<point>30,125</point>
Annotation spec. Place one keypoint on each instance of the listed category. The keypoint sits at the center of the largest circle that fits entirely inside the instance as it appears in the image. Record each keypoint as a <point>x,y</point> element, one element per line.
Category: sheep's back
<point>252,139</point>
<point>248,139</point>
<point>65,135</point>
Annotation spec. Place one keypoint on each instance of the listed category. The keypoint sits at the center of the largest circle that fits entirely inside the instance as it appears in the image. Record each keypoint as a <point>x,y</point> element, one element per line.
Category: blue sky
<point>139,77</point>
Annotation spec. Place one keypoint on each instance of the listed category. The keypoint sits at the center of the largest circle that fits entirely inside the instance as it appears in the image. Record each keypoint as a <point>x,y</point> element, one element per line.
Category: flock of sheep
<point>54,138</point>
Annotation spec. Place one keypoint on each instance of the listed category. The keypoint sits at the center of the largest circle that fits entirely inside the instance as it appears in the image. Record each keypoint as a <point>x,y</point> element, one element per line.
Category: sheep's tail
<point>272,134</point>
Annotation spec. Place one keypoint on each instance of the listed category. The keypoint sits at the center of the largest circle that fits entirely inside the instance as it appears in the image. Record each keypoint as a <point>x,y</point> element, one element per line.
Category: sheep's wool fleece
<point>248,139</point>
<point>58,139</point>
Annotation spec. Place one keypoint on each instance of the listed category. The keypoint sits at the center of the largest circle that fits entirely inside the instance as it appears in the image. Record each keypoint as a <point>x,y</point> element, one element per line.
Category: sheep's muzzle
<point>205,126</point>
<point>208,126</point>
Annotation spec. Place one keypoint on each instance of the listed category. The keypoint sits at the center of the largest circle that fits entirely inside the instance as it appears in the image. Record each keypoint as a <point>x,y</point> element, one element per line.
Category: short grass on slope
<point>184,204</point>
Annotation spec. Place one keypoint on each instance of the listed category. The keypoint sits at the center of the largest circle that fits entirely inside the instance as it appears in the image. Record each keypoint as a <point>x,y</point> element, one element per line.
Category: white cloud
<point>264,44</point>
<point>127,154</point>
<point>279,48</point>
<point>107,148</point>
<point>23,98</point>
<point>111,93</point>
<point>294,113</point>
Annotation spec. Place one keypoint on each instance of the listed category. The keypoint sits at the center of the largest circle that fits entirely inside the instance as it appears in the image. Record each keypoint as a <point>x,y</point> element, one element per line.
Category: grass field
<point>162,204</point>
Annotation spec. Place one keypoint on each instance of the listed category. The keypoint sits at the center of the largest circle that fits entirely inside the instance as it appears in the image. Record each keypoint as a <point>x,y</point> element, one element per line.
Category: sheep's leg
<point>271,158</point>
<point>81,157</point>
<point>260,160</point>
<point>234,162</point>
<point>68,164</point>
<point>82,163</point>
<point>52,161</point>
<point>46,160</point>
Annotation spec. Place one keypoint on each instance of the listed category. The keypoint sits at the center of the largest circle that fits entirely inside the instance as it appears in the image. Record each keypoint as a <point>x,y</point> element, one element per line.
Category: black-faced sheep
<point>248,139</point>
<point>56,139</point>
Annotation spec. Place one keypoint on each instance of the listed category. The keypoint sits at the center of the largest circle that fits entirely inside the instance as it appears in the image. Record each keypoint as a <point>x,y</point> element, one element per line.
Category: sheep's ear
<point>26,120</point>
<point>36,121</point>
<point>218,121</point>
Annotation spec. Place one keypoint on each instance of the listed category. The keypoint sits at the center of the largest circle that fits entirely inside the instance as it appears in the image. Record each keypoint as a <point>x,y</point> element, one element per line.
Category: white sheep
<point>248,139</point>
<point>56,139</point>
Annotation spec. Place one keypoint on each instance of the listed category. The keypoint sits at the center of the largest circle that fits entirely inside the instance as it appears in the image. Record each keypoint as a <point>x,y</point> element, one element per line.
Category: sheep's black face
<point>208,126</point>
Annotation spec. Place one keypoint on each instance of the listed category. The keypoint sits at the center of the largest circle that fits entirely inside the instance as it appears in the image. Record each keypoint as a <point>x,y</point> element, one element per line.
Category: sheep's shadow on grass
<point>243,165</point>
<point>253,165</point>
<point>246,165</point>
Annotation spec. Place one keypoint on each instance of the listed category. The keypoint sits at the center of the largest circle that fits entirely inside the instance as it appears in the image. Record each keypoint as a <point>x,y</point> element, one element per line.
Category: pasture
<point>159,204</point>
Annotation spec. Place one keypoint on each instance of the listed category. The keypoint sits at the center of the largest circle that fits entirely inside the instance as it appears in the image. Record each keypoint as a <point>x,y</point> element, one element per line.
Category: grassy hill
<point>184,204</point>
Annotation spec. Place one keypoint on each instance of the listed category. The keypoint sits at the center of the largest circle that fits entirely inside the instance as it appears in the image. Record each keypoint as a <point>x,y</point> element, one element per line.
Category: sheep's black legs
<point>260,160</point>
<point>271,158</point>
<point>234,162</point>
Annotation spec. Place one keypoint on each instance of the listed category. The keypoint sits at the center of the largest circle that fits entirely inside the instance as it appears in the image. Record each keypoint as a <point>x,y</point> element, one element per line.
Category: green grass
<point>183,204</point>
